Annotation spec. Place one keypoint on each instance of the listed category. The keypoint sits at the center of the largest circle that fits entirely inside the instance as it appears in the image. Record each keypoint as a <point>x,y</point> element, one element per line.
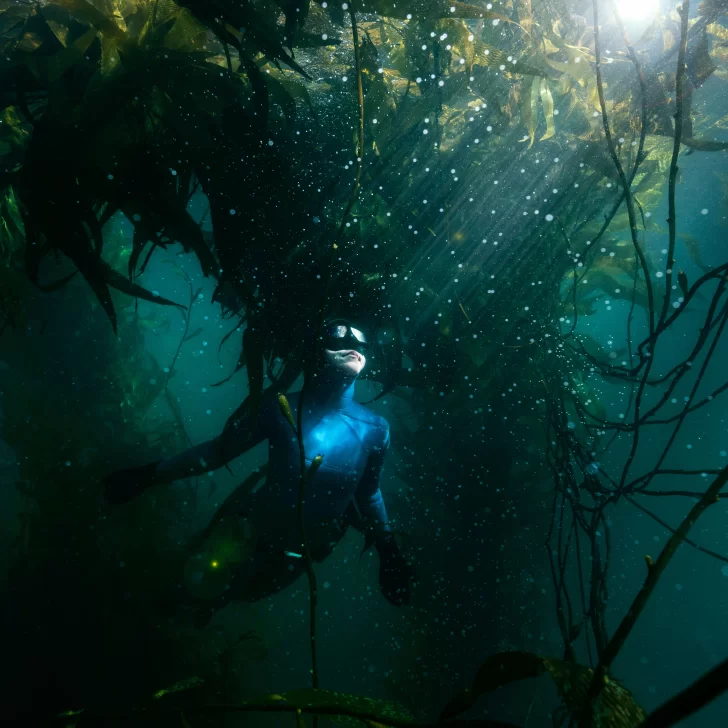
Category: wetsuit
<point>353,442</point>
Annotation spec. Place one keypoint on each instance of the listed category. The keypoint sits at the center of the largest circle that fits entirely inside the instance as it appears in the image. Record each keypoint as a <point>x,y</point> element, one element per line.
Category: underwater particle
<point>418,79</point>
<point>724,570</point>
<point>232,211</point>
<point>344,78</point>
<point>326,585</point>
<point>324,36</point>
<point>723,453</point>
<point>424,131</point>
<point>173,171</point>
<point>704,211</point>
<point>110,176</point>
<point>270,142</point>
<point>592,468</point>
<point>549,217</point>
<point>68,463</point>
<point>659,274</point>
<point>316,219</point>
<point>571,425</point>
<point>136,217</point>
<point>679,587</point>
<point>689,447</point>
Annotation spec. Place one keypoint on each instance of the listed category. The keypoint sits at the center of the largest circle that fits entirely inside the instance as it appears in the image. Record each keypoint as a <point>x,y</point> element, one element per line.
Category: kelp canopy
<point>475,180</point>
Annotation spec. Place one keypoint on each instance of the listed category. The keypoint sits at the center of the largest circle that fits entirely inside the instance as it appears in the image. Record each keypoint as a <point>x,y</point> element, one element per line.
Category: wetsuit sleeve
<point>237,437</point>
<point>368,495</point>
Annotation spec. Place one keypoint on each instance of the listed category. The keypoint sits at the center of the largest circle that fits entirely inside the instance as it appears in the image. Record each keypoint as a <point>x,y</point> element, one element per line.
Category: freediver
<point>255,548</point>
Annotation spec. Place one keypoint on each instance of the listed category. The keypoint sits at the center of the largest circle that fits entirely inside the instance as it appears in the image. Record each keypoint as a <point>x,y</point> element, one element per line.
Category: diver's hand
<point>125,485</point>
<point>395,574</point>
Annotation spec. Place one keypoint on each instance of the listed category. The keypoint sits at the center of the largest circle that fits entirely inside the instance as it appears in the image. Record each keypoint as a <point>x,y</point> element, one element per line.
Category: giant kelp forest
<point>500,191</point>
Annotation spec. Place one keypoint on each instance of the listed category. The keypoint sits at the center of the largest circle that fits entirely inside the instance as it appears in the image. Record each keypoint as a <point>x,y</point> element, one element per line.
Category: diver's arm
<point>395,573</point>
<point>368,496</point>
<point>237,437</point>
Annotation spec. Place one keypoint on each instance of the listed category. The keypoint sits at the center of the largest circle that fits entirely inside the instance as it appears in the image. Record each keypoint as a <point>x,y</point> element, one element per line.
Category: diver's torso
<point>344,436</point>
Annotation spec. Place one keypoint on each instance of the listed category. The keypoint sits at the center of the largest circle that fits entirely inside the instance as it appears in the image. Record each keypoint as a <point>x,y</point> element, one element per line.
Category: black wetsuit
<point>353,442</point>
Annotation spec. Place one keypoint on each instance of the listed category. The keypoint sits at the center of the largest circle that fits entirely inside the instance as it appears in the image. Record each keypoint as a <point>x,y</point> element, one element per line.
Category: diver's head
<point>343,349</point>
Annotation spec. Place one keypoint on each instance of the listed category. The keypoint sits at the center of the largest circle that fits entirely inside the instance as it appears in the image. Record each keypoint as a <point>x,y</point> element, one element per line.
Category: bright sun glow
<point>637,9</point>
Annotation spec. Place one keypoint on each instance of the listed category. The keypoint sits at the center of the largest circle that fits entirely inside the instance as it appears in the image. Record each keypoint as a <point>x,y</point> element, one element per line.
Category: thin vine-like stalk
<point>308,373</point>
<point>688,701</point>
<point>620,170</point>
<point>684,9</point>
<point>667,526</point>
<point>655,571</point>
<point>84,718</point>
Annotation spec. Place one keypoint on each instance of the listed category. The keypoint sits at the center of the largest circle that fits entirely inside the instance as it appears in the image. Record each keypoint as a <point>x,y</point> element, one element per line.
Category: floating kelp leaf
<point>529,108</point>
<point>719,31</point>
<point>496,671</point>
<point>286,410</point>
<point>547,101</point>
<point>260,89</point>
<point>187,32</point>
<point>123,284</point>
<point>427,9</point>
<point>705,145</point>
<point>186,684</point>
<point>378,710</point>
<point>698,64</point>
<point>615,706</point>
<point>315,465</point>
<point>231,22</point>
<point>87,13</point>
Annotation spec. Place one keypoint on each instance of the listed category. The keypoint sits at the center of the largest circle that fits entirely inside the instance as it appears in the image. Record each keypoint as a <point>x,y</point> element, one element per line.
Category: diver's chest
<point>340,441</point>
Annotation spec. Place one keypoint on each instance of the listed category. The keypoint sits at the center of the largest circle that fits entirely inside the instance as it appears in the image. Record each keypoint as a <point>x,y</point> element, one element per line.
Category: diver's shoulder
<point>364,414</point>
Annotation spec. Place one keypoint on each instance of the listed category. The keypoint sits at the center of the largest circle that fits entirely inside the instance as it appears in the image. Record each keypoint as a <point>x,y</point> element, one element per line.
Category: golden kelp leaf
<point>87,13</point>
<point>186,684</point>
<point>547,101</point>
<point>668,40</point>
<point>109,54</point>
<point>310,698</point>
<point>615,707</point>
<point>187,32</point>
<point>428,9</point>
<point>529,107</point>
<point>719,31</point>
<point>286,410</point>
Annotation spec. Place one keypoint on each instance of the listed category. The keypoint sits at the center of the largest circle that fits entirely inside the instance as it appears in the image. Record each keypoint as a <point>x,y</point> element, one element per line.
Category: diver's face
<point>347,362</point>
